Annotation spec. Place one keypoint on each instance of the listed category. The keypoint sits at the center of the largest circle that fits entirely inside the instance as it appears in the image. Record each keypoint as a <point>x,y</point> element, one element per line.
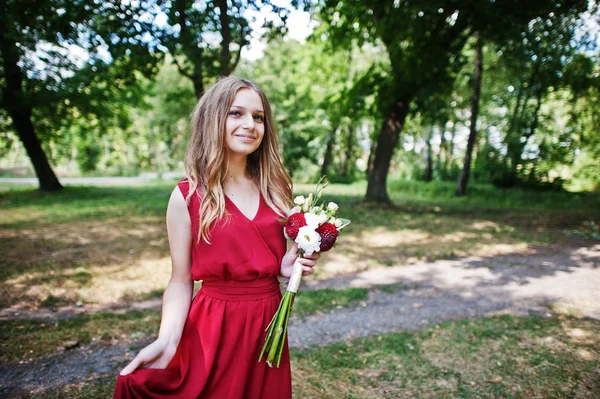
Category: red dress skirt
<point>217,356</point>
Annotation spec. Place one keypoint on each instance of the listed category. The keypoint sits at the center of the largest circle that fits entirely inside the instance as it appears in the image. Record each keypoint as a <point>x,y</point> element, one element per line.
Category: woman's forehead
<point>248,99</point>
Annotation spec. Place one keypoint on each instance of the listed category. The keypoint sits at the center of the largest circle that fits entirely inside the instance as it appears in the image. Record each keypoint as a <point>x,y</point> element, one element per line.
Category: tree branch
<point>238,53</point>
<point>180,68</point>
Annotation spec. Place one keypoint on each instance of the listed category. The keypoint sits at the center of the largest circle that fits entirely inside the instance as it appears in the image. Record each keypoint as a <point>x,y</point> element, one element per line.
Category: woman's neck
<point>236,169</point>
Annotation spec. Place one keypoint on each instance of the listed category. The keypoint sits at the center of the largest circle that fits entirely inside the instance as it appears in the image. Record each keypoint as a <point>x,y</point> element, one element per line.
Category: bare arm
<point>178,294</point>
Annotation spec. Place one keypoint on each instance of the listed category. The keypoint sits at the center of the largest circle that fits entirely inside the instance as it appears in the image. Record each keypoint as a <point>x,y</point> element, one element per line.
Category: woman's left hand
<point>308,262</point>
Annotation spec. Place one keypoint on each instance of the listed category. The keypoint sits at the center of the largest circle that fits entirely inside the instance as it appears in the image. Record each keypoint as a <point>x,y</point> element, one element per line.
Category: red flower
<point>328,234</point>
<point>293,224</point>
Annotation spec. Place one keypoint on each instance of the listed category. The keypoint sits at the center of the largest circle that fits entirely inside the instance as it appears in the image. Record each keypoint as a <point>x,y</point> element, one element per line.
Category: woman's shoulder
<point>184,186</point>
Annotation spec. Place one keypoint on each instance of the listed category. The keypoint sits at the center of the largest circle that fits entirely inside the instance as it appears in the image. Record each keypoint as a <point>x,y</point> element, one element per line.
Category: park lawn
<point>26,340</point>
<point>108,245</point>
<point>502,356</point>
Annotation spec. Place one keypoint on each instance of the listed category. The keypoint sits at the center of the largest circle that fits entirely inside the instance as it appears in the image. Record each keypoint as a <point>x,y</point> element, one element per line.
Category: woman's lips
<point>245,138</point>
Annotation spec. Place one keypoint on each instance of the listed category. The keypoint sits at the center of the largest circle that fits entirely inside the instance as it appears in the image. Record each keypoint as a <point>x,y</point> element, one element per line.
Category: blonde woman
<point>223,229</point>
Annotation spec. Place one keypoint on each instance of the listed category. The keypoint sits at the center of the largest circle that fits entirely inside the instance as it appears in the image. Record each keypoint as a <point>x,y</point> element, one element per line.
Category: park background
<point>462,139</point>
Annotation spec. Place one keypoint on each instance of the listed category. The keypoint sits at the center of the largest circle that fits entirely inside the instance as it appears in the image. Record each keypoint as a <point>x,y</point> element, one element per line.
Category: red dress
<point>217,356</point>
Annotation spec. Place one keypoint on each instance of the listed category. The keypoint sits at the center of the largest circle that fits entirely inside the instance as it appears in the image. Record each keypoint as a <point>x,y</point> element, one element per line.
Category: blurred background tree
<point>499,92</point>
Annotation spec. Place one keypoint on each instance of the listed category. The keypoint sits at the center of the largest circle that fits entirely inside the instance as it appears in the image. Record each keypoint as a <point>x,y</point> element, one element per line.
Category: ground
<point>430,297</point>
<point>546,282</point>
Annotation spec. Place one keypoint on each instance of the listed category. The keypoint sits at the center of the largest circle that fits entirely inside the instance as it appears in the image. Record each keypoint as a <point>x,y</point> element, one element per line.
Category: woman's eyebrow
<point>240,107</point>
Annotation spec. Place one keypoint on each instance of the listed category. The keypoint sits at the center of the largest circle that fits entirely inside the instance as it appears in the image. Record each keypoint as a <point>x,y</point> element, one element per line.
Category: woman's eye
<point>259,118</point>
<point>234,113</point>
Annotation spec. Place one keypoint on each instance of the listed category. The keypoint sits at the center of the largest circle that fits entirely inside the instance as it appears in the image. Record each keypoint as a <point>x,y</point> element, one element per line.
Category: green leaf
<point>345,222</point>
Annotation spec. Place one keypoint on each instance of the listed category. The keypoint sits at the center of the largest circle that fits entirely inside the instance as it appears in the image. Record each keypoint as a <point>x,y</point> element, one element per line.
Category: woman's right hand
<point>157,355</point>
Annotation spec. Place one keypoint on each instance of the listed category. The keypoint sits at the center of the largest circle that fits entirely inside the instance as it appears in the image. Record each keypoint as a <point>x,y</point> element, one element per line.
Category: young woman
<point>223,229</point>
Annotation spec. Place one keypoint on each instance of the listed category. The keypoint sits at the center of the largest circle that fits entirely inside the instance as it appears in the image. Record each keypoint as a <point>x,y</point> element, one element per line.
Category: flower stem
<point>277,328</point>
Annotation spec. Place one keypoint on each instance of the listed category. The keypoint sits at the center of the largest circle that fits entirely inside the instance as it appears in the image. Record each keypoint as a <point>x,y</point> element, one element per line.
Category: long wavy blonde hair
<point>206,158</point>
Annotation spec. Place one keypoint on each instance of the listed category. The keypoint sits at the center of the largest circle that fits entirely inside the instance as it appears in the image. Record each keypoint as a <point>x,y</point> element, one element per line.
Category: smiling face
<point>245,125</point>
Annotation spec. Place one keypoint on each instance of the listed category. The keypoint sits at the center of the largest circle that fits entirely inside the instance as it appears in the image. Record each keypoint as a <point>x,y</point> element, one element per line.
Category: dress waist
<point>233,290</point>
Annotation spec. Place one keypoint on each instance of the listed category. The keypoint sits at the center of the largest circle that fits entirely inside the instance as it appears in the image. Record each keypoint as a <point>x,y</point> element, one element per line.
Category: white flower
<point>322,218</point>
<point>309,199</point>
<point>312,220</point>
<point>332,220</point>
<point>337,223</point>
<point>308,240</point>
<point>332,206</point>
<point>295,209</point>
<point>305,207</point>
<point>299,200</point>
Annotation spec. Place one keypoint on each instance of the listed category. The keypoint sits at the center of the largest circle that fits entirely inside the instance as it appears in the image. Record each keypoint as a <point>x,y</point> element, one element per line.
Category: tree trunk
<point>225,35</point>
<point>20,111</point>
<point>348,153</point>
<point>450,155</point>
<point>24,127</point>
<point>198,85</point>
<point>518,154</point>
<point>536,113</point>
<point>328,151</point>
<point>190,47</point>
<point>461,187</point>
<point>440,161</point>
<point>428,175</point>
<point>371,158</point>
<point>514,135</point>
<point>386,144</point>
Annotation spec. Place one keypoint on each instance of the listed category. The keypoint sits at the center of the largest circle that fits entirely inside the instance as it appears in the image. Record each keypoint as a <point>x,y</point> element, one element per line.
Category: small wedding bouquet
<point>315,228</point>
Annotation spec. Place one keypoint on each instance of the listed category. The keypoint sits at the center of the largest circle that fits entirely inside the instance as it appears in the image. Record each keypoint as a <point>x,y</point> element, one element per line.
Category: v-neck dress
<point>217,356</point>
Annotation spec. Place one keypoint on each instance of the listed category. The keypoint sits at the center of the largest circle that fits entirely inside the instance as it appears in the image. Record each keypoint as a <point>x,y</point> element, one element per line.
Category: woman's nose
<point>248,122</point>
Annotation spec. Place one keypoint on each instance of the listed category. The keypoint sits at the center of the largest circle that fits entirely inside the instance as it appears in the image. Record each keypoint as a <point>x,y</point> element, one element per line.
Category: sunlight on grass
<point>501,356</point>
<point>108,245</point>
<point>108,284</point>
<point>22,340</point>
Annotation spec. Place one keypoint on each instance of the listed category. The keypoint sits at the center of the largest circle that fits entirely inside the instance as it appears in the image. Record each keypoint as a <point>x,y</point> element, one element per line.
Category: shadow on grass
<point>59,245</point>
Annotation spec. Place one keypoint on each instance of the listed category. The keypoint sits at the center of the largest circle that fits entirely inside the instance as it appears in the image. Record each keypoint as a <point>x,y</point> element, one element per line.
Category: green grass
<point>24,206</point>
<point>58,247</point>
<point>323,300</point>
<point>99,388</point>
<point>508,357</point>
<point>24,340</point>
<point>488,196</point>
<point>91,243</point>
<point>86,203</point>
<point>493,357</point>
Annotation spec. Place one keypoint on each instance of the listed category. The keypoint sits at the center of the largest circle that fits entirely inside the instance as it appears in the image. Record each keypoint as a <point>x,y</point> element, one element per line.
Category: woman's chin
<point>242,151</point>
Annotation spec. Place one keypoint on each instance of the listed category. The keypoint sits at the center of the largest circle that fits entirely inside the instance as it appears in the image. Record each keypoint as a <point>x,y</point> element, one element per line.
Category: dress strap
<point>184,186</point>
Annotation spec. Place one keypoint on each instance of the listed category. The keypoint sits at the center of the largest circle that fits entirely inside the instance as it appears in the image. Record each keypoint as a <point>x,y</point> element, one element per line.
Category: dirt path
<point>557,277</point>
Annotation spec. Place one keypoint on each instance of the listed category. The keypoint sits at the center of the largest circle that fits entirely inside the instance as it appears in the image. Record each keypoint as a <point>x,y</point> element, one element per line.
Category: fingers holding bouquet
<point>308,263</point>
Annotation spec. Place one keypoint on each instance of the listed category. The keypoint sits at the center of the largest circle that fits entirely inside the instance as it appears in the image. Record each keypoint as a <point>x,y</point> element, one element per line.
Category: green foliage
<point>589,229</point>
<point>205,39</point>
<point>309,103</point>
<point>489,196</point>
<point>118,110</point>
<point>88,155</point>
